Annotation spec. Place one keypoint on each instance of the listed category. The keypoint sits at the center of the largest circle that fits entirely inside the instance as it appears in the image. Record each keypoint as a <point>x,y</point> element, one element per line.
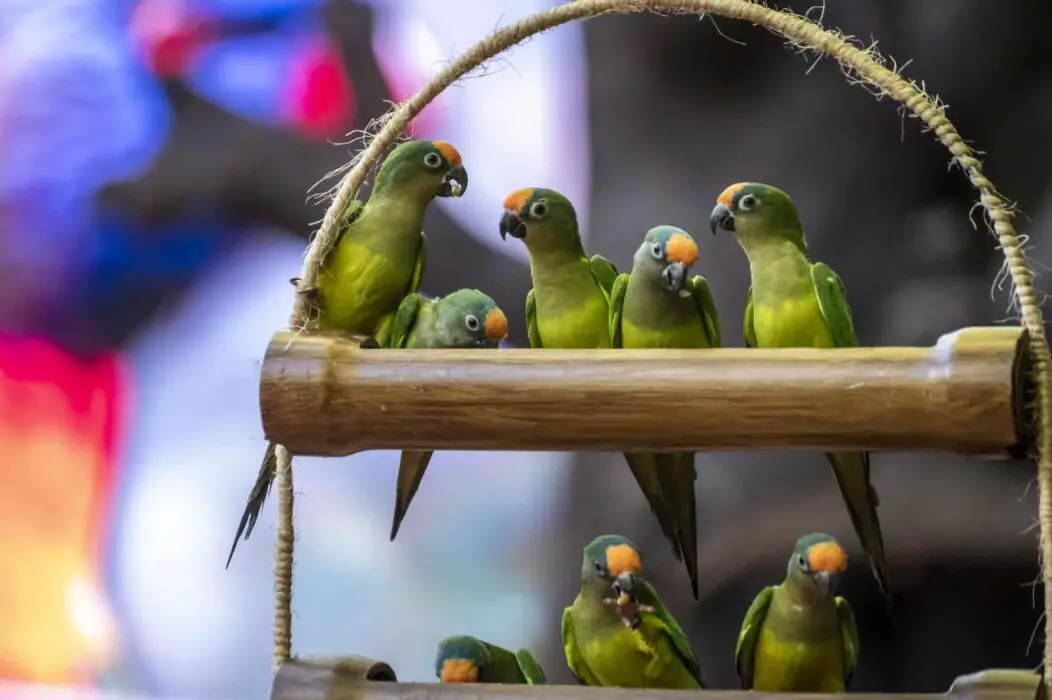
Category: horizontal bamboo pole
<point>301,680</point>
<point>322,394</point>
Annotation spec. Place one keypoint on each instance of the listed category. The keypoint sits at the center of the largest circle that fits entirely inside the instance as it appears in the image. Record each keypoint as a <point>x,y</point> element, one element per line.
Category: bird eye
<point>747,202</point>
<point>802,561</point>
<point>432,160</point>
<point>471,322</point>
<point>657,252</point>
<point>599,568</point>
<point>538,210</point>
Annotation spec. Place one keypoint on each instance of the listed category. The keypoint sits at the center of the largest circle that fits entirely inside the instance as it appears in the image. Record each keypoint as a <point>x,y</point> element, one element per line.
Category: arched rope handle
<point>865,66</point>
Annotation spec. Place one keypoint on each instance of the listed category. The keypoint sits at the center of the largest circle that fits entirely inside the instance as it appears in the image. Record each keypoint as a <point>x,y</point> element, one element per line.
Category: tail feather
<point>411,470</point>
<point>851,470</point>
<point>256,497</point>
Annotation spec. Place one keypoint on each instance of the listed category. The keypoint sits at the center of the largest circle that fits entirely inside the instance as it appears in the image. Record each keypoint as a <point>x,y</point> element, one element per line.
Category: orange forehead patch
<point>517,199</point>
<point>621,558</point>
<point>681,249</point>
<point>448,152</point>
<point>496,325</point>
<point>727,196</point>
<point>827,556</point>
<point>459,671</point>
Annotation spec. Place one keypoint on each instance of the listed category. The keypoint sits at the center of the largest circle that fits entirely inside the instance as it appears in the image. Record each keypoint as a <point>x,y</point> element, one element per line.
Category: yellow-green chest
<point>798,666</point>
<point>690,335</point>
<point>572,311</point>
<point>790,321</point>
<point>641,658</point>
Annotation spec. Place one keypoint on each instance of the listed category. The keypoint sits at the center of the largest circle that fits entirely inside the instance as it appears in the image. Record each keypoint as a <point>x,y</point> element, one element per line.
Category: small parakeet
<point>467,318</point>
<point>796,303</point>
<point>378,259</point>
<point>658,306</point>
<point>618,632</point>
<point>471,660</point>
<point>797,636</point>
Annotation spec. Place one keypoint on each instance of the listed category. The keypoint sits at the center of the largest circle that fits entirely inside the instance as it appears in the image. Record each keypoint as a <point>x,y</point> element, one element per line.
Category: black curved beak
<point>721,219</point>
<point>826,582</point>
<point>512,225</point>
<point>455,183</point>
<point>673,277</point>
<point>625,585</point>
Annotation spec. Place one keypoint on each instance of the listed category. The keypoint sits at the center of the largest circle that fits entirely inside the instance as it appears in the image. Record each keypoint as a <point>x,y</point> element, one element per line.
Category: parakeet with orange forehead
<point>465,659</point>
<point>467,318</point>
<point>378,259</point>
<point>659,306</point>
<point>797,636</point>
<point>794,302</point>
<point>618,632</point>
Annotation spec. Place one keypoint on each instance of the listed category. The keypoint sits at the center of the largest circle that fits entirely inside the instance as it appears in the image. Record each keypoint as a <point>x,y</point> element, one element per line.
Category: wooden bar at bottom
<point>971,393</point>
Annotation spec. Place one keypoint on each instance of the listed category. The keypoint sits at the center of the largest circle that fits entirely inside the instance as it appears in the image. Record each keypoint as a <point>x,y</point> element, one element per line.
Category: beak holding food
<point>455,182</point>
<point>511,224</point>
<point>721,219</point>
<point>625,588</point>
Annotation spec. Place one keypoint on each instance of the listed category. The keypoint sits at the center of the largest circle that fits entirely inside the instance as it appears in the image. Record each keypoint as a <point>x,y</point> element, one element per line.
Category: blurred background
<point>156,156</point>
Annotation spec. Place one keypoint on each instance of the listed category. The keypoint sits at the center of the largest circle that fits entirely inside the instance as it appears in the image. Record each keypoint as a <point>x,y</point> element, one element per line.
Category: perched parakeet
<point>657,306</point>
<point>378,259</point>
<point>467,318</point>
<point>797,636</point>
<point>796,303</point>
<point>618,632</point>
<point>471,660</point>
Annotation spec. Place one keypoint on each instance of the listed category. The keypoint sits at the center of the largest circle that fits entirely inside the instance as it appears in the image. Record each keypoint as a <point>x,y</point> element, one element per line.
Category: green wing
<point>418,266</point>
<point>350,215</point>
<point>532,331</point>
<point>604,273</point>
<point>574,660</point>
<point>850,634</point>
<point>832,300</point>
<point>531,670</point>
<point>745,650</point>
<point>707,308</point>
<point>617,307</point>
<point>747,326</point>
<point>679,639</point>
<point>404,319</point>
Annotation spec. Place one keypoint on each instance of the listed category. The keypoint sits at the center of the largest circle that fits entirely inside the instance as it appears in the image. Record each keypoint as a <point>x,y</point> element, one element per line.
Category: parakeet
<point>378,259</point>
<point>796,303</point>
<point>467,318</point>
<point>797,636</point>
<point>618,632</point>
<point>657,306</point>
<point>470,660</point>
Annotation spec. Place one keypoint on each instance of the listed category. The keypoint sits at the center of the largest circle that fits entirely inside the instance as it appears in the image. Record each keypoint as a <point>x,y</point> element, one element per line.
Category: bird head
<point>612,562</point>
<point>757,213</point>
<point>426,169</point>
<point>467,318</point>
<point>542,219</point>
<point>819,561</point>
<point>460,659</point>
<point>666,256</point>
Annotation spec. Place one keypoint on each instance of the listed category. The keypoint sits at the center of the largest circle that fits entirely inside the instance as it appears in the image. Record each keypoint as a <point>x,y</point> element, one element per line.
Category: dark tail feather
<point>411,470</point>
<point>256,497</point>
<point>851,470</point>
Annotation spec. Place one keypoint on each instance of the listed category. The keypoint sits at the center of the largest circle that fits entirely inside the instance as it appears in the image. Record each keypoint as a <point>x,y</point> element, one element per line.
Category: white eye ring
<point>747,202</point>
<point>539,209</point>
<point>802,561</point>
<point>657,252</point>
<point>432,160</point>
<point>471,322</point>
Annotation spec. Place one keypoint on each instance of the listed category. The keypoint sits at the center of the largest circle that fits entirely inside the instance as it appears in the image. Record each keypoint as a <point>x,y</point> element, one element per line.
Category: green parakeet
<point>658,306</point>
<point>618,632</point>
<point>467,318</point>
<point>796,303</point>
<point>378,259</point>
<point>471,660</point>
<point>797,636</point>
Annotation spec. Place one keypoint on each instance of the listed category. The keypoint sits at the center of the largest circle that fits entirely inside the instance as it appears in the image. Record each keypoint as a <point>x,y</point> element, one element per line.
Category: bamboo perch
<point>320,394</point>
<point>297,680</point>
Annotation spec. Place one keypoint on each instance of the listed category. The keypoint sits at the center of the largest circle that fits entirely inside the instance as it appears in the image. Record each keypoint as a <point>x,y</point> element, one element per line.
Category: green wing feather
<point>604,273</point>
<point>531,670</point>
<point>707,308</point>
<point>578,666</point>
<point>832,300</point>
<point>256,497</point>
<point>849,632</point>
<point>532,330</point>
<point>748,328</point>
<point>680,642</point>
<point>745,650</point>
<point>418,266</point>
<point>617,307</point>
<point>350,215</point>
<point>404,319</point>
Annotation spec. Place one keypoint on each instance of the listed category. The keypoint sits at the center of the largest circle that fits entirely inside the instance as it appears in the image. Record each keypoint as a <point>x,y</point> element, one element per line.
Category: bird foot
<point>310,292</point>
<point>629,611</point>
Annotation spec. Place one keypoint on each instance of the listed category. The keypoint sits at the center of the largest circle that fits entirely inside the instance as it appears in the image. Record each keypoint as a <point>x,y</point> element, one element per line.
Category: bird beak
<point>625,588</point>
<point>511,224</point>
<point>721,219</point>
<point>455,183</point>
<point>826,582</point>
<point>673,277</point>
